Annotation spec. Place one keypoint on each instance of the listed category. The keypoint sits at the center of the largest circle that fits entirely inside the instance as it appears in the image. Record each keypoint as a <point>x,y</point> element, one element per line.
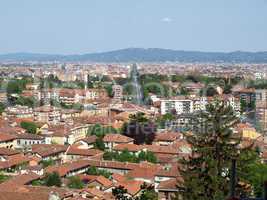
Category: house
<point>8,152</point>
<point>13,163</point>
<point>87,142</point>
<point>18,111</point>
<point>75,153</point>
<point>167,138</point>
<point>49,151</point>
<point>98,182</point>
<point>111,140</point>
<point>26,140</point>
<point>246,131</point>
<point>47,114</point>
<point>169,188</point>
<point>132,148</point>
<point>7,140</point>
<point>66,133</point>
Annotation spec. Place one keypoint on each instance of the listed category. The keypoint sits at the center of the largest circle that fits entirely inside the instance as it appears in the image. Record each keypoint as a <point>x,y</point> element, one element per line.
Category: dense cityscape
<point>116,131</point>
<point>133,100</point>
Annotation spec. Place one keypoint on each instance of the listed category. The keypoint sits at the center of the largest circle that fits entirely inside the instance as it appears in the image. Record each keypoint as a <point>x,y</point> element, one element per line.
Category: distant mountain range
<point>144,55</point>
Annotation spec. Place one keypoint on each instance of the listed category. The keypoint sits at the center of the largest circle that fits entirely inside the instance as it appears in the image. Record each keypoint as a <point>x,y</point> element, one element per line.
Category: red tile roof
<point>117,138</point>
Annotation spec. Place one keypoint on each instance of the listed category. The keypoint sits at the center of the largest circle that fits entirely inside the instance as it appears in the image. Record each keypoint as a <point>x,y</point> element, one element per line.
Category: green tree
<point>243,105</point>
<point>94,171</point>
<point>47,163</point>
<point>2,108</point>
<point>99,144</point>
<point>3,177</point>
<point>14,87</point>
<point>109,90</point>
<point>140,129</point>
<point>252,171</point>
<point>75,182</point>
<point>26,101</point>
<point>30,127</point>
<point>53,179</point>
<point>213,147</point>
<point>147,193</point>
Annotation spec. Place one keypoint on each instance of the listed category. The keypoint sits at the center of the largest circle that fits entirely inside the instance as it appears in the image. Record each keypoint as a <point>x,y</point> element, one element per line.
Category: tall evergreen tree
<point>206,172</point>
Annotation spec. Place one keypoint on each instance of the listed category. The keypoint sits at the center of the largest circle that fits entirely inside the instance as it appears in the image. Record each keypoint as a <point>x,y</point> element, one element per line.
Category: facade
<point>261,109</point>
<point>183,106</point>
<point>117,93</point>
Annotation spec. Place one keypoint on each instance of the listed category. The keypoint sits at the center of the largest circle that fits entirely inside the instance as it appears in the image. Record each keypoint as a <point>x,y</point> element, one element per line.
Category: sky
<point>88,26</point>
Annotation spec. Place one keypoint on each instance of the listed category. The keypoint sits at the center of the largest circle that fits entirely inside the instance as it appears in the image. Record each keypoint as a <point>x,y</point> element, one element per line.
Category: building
<point>47,114</point>
<point>117,93</point>
<point>261,109</point>
<point>183,105</point>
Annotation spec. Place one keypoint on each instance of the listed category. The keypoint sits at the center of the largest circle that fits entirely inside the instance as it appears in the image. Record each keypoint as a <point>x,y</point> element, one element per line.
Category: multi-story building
<point>261,108</point>
<point>48,114</point>
<point>19,112</point>
<point>183,105</point>
<point>117,93</point>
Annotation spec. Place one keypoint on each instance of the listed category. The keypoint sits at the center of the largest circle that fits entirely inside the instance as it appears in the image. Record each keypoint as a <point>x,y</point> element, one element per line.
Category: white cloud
<point>167,20</point>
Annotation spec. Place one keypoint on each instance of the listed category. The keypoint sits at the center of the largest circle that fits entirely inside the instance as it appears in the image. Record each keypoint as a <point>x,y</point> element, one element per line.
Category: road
<point>137,87</point>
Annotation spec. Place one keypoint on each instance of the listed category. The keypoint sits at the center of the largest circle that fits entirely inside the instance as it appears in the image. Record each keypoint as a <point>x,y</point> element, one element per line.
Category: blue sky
<point>84,26</point>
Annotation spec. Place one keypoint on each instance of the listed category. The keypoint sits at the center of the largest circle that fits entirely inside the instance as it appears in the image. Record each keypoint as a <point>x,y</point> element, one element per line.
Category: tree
<point>211,91</point>
<point>47,163</point>
<point>140,129</point>
<point>109,90</point>
<point>30,127</point>
<point>147,193</point>
<point>94,171</point>
<point>99,144</point>
<point>2,108</point>
<point>75,182</point>
<point>120,193</point>
<point>213,148</point>
<point>3,177</point>
<point>13,87</point>
<point>53,179</point>
<point>26,101</point>
<point>252,172</point>
<point>243,105</point>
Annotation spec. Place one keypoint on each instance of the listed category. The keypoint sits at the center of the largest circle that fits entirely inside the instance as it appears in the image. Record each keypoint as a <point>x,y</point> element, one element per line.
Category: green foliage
<point>52,179</point>
<point>251,171</point>
<point>15,86</point>
<point>2,108</point>
<point>243,105</point>
<point>76,106</point>
<point>38,183</point>
<point>126,156</point>
<point>3,177</point>
<point>161,120</point>
<point>213,148</point>
<point>97,172</point>
<point>109,90</point>
<point>184,91</point>
<point>51,81</point>
<point>31,127</point>
<point>99,144</point>
<point>147,193</point>
<point>75,182</point>
<point>140,129</point>
<point>26,101</point>
<point>47,163</point>
<point>100,131</point>
<point>258,84</point>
